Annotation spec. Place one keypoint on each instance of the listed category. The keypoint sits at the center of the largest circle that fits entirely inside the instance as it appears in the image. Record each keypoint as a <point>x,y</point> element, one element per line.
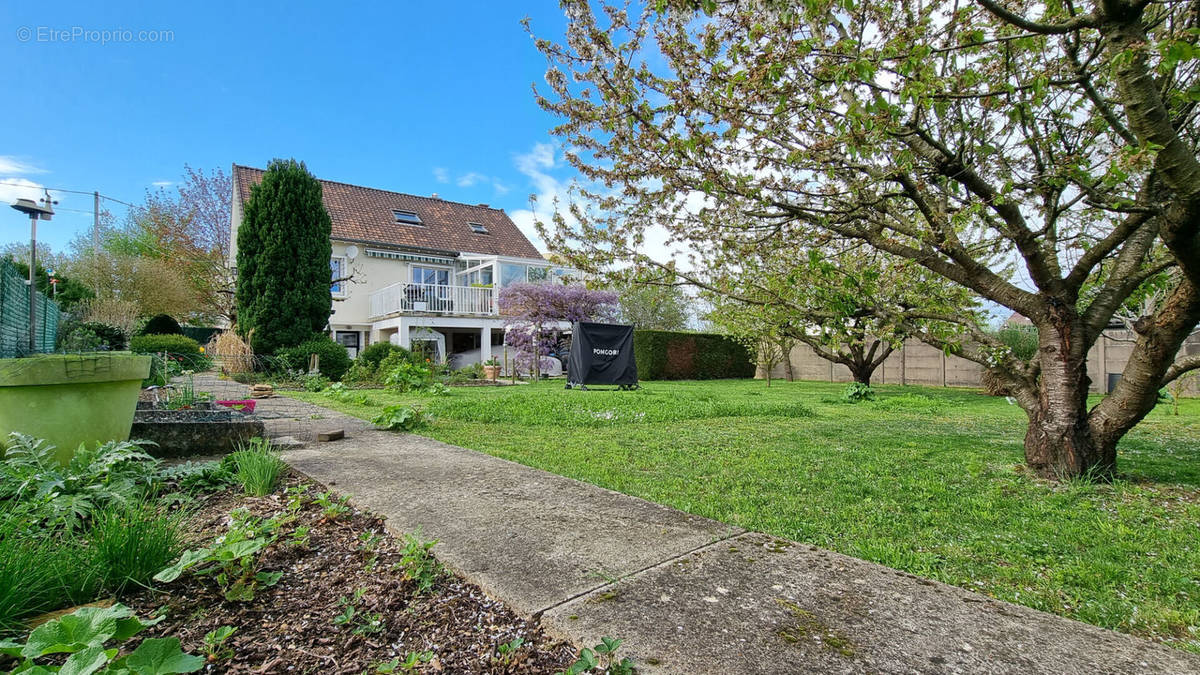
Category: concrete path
<point>692,595</point>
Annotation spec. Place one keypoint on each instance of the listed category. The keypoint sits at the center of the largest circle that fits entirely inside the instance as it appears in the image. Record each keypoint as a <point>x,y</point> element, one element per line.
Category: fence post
<point>943,368</point>
<point>904,363</point>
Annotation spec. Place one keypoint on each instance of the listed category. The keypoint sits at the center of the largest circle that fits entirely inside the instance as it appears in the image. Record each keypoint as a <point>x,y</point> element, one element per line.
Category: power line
<point>74,192</point>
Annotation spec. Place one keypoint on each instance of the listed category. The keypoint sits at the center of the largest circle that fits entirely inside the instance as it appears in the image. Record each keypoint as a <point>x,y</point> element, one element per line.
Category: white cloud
<point>12,189</point>
<point>469,179</point>
<point>441,175</point>
<point>11,166</point>
<point>501,188</point>
<point>537,165</point>
<point>163,183</point>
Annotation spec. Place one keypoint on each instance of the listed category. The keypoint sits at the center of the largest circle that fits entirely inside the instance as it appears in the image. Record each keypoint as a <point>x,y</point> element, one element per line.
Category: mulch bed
<point>290,627</point>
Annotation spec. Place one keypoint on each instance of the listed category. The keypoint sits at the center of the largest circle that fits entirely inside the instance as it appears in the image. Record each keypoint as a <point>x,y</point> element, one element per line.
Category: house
<point>420,272</point>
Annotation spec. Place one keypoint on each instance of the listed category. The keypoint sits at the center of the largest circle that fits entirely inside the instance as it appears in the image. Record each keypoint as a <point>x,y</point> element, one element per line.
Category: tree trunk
<point>862,371</point>
<point>1059,442</point>
<point>785,352</point>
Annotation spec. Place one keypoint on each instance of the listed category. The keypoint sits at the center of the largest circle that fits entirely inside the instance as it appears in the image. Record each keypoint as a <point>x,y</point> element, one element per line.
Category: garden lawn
<point>926,480</point>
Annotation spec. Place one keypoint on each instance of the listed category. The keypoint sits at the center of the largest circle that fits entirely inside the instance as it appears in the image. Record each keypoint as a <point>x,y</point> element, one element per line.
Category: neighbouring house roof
<point>363,214</point>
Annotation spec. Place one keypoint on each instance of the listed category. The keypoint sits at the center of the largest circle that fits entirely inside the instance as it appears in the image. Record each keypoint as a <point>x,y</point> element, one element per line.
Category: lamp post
<point>35,211</point>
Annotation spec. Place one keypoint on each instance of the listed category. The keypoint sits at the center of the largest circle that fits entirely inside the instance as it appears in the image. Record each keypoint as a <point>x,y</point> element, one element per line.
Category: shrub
<point>375,353</point>
<point>161,324</point>
<point>130,542</point>
<point>334,360</point>
<point>667,355</point>
<point>170,344</point>
<point>408,376</point>
<point>857,391</point>
<point>90,336</point>
<point>258,467</point>
<point>1022,340</point>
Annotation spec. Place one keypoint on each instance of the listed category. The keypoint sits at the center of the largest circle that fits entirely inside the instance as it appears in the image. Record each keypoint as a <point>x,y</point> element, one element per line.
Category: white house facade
<point>416,271</point>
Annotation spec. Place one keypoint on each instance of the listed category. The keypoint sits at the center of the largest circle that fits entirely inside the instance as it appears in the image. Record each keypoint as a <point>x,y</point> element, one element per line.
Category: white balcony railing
<point>433,298</point>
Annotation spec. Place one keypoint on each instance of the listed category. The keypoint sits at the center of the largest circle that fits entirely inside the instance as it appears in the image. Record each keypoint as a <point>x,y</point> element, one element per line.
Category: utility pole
<point>96,238</point>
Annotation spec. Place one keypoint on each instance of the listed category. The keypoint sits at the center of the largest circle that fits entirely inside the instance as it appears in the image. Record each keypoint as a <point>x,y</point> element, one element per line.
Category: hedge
<point>171,344</point>
<point>670,355</point>
<point>201,334</point>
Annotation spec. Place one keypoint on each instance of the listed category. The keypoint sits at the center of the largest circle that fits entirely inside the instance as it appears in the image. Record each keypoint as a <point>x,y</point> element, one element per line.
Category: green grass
<point>130,543</point>
<point>925,480</point>
<point>258,467</point>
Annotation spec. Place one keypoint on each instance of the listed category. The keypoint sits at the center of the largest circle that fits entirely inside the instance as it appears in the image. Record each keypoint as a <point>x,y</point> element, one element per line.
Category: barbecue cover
<point>601,353</point>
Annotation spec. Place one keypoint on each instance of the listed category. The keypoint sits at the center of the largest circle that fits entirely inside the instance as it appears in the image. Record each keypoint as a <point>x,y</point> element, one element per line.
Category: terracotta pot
<point>491,372</point>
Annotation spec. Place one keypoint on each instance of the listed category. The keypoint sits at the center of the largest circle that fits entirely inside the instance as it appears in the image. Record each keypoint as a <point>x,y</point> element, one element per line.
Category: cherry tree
<point>1041,155</point>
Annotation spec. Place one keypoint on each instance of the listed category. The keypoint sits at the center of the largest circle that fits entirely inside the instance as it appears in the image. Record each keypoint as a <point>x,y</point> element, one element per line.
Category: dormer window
<point>478,228</point>
<point>407,217</point>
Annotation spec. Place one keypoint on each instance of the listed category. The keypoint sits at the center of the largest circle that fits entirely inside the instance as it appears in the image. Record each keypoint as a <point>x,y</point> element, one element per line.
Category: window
<point>337,269</point>
<point>538,273</point>
<point>478,228</point>
<point>511,274</point>
<point>431,275</point>
<point>407,217</point>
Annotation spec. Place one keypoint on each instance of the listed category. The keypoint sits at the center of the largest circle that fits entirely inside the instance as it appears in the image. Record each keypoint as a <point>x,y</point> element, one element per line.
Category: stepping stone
<point>332,435</point>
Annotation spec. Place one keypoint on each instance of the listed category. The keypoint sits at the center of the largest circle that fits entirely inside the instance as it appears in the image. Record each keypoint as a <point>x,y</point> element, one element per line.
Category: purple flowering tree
<point>536,313</point>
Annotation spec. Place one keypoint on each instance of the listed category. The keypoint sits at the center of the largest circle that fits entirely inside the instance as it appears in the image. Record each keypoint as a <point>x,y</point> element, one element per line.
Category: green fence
<point>14,316</point>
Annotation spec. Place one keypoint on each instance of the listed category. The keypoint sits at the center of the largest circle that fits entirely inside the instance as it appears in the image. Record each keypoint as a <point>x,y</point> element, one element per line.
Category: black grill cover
<point>601,353</point>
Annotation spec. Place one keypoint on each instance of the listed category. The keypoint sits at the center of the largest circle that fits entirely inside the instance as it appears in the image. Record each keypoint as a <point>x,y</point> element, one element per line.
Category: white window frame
<point>412,273</point>
<point>341,272</point>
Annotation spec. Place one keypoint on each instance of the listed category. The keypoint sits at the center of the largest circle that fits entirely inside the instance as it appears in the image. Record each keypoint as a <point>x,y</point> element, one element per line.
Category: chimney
<point>483,205</point>
<point>434,196</point>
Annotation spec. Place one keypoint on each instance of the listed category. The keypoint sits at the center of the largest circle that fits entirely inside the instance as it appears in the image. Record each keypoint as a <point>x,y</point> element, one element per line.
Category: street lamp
<point>35,210</point>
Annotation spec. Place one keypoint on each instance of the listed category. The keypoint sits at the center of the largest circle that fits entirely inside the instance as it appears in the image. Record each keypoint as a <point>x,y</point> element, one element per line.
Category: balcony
<point>406,298</point>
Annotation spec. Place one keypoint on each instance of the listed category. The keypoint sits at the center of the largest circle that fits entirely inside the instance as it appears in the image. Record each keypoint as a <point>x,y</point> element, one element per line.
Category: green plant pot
<point>70,399</point>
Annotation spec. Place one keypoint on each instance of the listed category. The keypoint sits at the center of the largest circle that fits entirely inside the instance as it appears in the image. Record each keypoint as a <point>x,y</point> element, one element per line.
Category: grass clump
<point>258,467</point>
<point>131,542</point>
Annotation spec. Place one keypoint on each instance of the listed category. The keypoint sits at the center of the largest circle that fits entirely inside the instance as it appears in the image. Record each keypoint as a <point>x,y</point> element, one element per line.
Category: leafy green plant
<point>130,542</point>
<point>314,383</point>
<point>233,561</point>
<point>31,475</point>
<point>215,649</point>
<point>258,467</point>
<point>332,508</point>
<point>402,418</point>
<point>361,622</point>
<point>295,498</point>
<point>201,477</point>
<point>417,563</point>
<point>412,663</point>
<point>86,636</point>
<point>298,538</point>
<point>332,359</point>
<point>407,376</point>
<point>601,659</point>
<point>857,391</point>
<point>506,653</point>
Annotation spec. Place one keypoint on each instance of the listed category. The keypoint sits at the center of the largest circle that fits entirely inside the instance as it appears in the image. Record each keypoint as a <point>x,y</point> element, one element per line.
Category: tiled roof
<point>364,214</point>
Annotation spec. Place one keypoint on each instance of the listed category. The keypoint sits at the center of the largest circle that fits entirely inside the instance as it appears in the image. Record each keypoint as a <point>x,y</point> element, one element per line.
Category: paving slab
<point>758,604</point>
<point>530,538</point>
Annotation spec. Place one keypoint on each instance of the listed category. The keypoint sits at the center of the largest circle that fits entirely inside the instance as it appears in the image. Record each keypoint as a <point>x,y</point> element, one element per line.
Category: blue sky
<point>414,97</point>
